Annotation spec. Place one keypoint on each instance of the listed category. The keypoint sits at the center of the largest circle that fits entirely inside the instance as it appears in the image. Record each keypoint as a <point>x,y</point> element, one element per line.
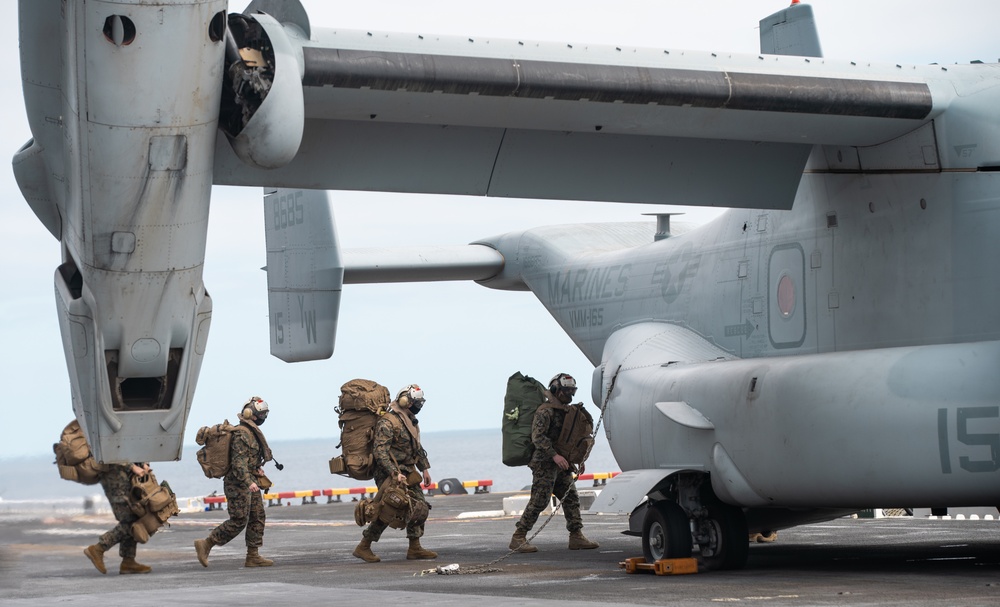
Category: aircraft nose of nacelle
<point>263,112</point>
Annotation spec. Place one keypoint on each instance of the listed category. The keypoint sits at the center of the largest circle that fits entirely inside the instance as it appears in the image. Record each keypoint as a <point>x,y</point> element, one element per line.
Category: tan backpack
<point>214,455</point>
<point>362,402</point>
<point>73,456</point>
<point>576,437</point>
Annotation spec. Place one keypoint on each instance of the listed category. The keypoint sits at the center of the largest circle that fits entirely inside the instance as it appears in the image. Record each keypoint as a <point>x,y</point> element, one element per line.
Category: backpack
<point>523,396</point>
<point>362,403</point>
<point>73,456</point>
<point>576,437</point>
<point>214,456</point>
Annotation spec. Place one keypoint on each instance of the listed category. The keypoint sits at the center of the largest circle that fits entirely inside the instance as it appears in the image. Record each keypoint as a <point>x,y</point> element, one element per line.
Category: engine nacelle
<point>263,113</point>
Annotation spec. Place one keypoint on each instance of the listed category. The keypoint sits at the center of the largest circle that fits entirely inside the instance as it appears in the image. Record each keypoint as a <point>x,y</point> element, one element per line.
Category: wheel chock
<point>661,567</point>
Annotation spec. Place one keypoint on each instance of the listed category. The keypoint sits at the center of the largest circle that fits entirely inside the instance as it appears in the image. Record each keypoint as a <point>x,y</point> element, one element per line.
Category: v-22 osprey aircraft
<point>829,344</point>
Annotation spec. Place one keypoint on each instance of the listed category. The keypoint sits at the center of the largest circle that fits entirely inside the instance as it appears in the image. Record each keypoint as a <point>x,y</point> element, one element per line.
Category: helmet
<point>255,408</point>
<point>411,397</point>
<point>563,381</point>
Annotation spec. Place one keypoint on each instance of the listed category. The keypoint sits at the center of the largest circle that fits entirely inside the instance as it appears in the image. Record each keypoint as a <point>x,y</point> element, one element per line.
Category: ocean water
<point>34,483</point>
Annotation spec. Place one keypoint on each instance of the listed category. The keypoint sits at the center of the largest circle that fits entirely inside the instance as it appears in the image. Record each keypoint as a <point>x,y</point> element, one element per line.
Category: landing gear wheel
<point>726,546</point>
<point>666,532</point>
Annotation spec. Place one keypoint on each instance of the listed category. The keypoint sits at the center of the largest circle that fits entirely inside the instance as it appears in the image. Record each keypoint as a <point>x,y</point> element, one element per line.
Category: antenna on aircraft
<point>662,224</point>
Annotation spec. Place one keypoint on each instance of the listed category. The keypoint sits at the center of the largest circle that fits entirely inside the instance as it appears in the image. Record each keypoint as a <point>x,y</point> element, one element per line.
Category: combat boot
<point>202,548</point>
<point>519,542</point>
<point>130,565</point>
<point>416,551</point>
<point>96,555</point>
<point>364,551</point>
<point>578,541</point>
<point>254,559</point>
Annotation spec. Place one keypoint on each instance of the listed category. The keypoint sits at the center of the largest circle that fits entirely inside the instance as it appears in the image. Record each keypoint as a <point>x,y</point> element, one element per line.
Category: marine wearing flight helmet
<point>116,479</point>
<point>398,454</point>
<point>551,474</point>
<point>248,452</point>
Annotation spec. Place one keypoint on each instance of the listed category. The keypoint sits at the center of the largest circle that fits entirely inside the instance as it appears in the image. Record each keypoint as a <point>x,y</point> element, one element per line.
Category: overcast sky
<point>460,342</point>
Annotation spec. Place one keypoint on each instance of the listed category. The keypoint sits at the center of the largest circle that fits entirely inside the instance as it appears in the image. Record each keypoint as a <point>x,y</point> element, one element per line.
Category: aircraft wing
<point>436,114</point>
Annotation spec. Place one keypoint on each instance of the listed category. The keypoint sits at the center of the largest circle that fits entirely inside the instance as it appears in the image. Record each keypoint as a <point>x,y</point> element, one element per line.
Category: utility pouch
<point>264,483</point>
<point>337,465</point>
<point>366,511</point>
<point>394,504</point>
<point>414,478</point>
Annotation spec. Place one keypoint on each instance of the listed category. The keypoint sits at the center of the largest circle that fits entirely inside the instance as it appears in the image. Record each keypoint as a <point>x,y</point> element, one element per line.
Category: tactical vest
<point>153,503</point>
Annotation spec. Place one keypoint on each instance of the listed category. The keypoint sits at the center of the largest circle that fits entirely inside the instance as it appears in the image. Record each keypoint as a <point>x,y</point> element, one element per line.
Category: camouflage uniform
<point>394,445</point>
<point>117,483</point>
<point>547,478</point>
<point>246,508</point>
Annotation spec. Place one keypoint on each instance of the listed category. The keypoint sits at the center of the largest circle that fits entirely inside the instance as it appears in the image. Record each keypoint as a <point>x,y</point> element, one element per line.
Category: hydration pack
<point>214,455</point>
<point>73,456</point>
<point>362,402</point>
<point>524,395</point>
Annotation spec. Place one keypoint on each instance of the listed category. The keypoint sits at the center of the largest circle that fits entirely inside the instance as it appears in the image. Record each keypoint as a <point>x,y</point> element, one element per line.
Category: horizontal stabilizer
<point>421,264</point>
<point>304,274</point>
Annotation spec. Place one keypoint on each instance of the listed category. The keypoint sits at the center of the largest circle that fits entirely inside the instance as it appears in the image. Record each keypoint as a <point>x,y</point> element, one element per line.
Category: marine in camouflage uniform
<point>117,483</point>
<point>551,474</point>
<point>248,451</point>
<point>397,453</point>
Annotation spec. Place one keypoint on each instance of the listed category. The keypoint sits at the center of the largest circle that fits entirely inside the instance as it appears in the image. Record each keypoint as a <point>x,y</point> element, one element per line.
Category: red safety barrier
<point>215,502</point>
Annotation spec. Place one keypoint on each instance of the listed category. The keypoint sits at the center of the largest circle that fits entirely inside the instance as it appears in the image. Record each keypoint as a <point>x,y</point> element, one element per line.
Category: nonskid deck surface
<point>911,561</point>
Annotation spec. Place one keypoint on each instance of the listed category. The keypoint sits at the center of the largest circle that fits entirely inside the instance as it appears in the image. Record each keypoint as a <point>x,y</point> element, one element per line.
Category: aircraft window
<point>119,30</point>
<point>786,296</point>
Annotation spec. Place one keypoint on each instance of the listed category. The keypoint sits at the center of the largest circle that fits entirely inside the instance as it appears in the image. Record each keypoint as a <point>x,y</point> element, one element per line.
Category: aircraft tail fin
<point>790,31</point>
<point>305,273</point>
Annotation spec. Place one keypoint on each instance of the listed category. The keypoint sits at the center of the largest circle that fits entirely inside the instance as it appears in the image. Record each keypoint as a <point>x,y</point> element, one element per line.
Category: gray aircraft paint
<point>830,343</point>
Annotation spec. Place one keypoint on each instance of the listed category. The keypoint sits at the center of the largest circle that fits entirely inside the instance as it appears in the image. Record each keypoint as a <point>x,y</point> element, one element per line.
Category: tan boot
<point>130,565</point>
<point>578,541</point>
<point>202,548</point>
<point>519,542</point>
<point>254,559</point>
<point>96,555</point>
<point>364,551</point>
<point>416,551</point>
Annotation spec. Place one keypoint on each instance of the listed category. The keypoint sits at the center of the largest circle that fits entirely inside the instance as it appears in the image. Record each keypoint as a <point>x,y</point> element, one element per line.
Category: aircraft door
<point>786,314</point>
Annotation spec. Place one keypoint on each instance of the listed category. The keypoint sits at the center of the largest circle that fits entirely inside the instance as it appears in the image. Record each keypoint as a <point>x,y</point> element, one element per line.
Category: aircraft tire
<point>729,549</point>
<point>666,533</point>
